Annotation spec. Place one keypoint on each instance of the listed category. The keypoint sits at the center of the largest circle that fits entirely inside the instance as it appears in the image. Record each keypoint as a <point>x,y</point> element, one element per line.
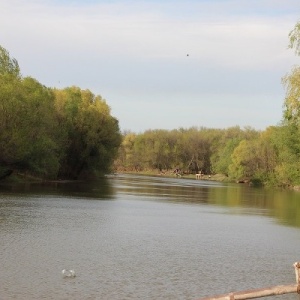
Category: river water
<point>142,237</point>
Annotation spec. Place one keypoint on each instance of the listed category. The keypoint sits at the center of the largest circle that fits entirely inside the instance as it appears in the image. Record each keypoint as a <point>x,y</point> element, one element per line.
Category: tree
<point>51,132</point>
<point>294,37</point>
<point>287,146</point>
<point>292,99</point>
<point>26,121</point>
<point>40,129</point>
<point>227,140</point>
<point>292,82</point>
<point>27,126</point>
<point>288,143</point>
<point>92,134</point>
<point>222,159</point>
<point>8,65</point>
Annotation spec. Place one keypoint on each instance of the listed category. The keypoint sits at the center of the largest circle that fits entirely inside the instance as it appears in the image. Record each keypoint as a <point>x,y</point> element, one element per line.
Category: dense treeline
<point>70,133</point>
<point>52,133</point>
<point>270,157</point>
<point>227,151</point>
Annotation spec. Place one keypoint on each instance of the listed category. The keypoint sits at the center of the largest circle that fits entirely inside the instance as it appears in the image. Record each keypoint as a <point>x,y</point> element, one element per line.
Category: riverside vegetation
<point>270,157</point>
<point>70,134</point>
<point>51,133</point>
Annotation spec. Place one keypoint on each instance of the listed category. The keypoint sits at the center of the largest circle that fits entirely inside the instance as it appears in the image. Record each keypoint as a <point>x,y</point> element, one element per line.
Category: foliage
<point>25,137</point>
<point>294,37</point>
<point>254,159</point>
<point>190,150</point>
<point>222,159</point>
<point>92,134</point>
<point>72,134</point>
<point>292,100</point>
<point>53,133</point>
<point>228,140</point>
<point>288,142</point>
<point>8,65</point>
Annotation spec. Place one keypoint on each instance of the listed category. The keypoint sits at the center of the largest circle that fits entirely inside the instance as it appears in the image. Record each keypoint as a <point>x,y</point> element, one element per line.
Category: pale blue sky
<point>134,54</point>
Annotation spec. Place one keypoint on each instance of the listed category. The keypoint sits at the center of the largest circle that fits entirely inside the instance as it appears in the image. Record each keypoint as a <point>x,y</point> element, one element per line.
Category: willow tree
<point>126,155</point>
<point>8,64</point>
<point>27,123</point>
<point>11,108</point>
<point>39,128</point>
<point>294,37</point>
<point>92,136</point>
<point>292,82</point>
<point>289,156</point>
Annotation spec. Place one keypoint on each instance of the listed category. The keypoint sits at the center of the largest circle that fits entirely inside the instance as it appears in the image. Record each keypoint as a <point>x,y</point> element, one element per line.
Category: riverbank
<point>18,177</point>
<point>214,177</point>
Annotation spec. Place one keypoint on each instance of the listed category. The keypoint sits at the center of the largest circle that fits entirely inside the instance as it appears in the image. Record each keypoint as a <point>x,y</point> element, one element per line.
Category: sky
<point>160,64</point>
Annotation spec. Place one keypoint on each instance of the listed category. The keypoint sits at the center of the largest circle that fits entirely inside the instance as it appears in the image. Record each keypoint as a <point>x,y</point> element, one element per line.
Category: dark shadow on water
<point>100,189</point>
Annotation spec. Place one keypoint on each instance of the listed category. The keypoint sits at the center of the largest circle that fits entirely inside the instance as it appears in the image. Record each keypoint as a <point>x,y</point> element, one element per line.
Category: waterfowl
<point>68,273</point>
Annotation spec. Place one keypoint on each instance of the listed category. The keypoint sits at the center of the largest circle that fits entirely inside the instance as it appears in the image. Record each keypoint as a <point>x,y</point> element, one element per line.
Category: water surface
<point>141,237</point>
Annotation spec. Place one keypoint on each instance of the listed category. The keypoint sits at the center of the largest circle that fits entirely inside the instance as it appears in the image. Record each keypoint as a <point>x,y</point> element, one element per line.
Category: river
<point>142,237</point>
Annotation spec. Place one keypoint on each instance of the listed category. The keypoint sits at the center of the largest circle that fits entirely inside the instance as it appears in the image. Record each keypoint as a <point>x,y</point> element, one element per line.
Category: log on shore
<point>264,292</point>
<point>258,293</point>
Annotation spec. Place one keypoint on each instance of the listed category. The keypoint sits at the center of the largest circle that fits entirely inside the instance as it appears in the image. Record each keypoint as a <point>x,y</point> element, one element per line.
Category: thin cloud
<point>128,49</point>
<point>127,30</point>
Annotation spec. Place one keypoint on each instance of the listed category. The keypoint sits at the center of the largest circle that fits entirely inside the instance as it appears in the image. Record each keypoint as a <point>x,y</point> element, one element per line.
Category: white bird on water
<point>68,273</point>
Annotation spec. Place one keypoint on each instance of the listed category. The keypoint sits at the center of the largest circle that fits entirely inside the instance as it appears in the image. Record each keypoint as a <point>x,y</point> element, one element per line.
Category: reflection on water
<point>141,237</point>
<point>99,189</point>
<point>284,205</point>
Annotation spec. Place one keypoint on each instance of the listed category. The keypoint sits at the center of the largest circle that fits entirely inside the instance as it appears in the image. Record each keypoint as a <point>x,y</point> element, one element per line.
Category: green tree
<point>287,141</point>
<point>11,110</point>
<point>287,144</point>
<point>40,129</point>
<point>125,156</point>
<point>8,65</point>
<point>50,132</point>
<point>292,82</point>
<point>26,121</point>
<point>27,125</point>
<point>227,140</point>
<point>93,135</point>
<point>294,37</point>
<point>194,150</point>
<point>292,99</point>
<point>222,159</point>
<point>255,159</point>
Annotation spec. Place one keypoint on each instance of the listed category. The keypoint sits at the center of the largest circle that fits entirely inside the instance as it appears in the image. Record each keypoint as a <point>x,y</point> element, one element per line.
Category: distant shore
<point>28,178</point>
<point>171,174</point>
